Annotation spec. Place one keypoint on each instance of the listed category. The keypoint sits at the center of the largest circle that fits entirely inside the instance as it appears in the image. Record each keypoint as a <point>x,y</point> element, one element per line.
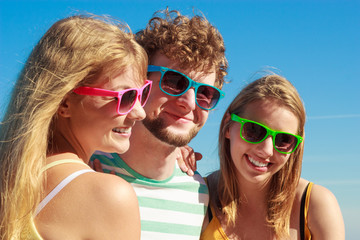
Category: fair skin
<point>86,124</point>
<point>152,152</point>
<point>256,164</point>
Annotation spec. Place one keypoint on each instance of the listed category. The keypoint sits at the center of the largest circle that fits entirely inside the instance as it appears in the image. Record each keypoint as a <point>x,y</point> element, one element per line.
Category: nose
<point>137,113</point>
<point>266,148</point>
<point>187,100</point>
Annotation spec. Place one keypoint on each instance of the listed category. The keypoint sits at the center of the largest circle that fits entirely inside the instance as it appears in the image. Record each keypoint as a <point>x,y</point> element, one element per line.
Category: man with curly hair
<point>187,65</point>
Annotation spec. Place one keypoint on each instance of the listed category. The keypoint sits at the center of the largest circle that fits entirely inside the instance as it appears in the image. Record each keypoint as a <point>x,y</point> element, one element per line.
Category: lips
<point>180,118</point>
<point>122,130</point>
<point>257,163</point>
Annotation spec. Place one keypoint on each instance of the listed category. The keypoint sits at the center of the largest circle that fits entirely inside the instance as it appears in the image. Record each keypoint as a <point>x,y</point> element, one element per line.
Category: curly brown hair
<point>191,42</point>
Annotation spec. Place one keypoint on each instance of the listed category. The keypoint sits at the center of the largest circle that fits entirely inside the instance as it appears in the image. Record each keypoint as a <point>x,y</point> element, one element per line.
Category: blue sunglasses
<point>175,84</point>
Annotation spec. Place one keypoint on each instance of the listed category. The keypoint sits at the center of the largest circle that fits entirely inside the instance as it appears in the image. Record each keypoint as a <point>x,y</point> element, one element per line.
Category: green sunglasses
<point>254,132</point>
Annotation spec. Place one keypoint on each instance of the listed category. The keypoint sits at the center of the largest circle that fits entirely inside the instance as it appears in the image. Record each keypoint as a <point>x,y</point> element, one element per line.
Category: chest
<point>253,226</point>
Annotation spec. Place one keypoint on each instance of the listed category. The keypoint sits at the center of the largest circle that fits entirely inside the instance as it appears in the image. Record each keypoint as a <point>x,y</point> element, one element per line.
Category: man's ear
<point>226,123</point>
<point>64,108</point>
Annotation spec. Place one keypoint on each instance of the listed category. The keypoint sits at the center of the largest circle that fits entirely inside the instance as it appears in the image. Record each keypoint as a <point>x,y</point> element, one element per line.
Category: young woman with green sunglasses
<point>258,192</point>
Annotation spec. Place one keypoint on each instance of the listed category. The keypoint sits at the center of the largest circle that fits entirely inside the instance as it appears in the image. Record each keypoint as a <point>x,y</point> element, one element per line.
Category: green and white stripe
<point>173,208</point>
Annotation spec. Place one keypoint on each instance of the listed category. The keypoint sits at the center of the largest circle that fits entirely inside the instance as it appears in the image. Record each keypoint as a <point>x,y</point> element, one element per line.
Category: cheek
<point>98,107</point>
<point>237,153</point>
<point>156,101</point>
<point>233,133</point>
<point>201,116</point>
<point>281,159</point>
<point>95,113</point>
<point>237,145</point>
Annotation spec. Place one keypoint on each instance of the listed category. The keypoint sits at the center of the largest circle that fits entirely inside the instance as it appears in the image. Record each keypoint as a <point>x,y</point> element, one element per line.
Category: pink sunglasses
<point>126,98</point>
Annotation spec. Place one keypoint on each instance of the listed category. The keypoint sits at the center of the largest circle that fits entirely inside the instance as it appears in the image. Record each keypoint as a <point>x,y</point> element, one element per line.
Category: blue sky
<point>314,44</point>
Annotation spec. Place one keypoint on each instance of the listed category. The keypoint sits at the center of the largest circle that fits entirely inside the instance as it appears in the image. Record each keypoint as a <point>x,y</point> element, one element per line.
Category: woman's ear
<point>64,108</point>
<point>226,123</point>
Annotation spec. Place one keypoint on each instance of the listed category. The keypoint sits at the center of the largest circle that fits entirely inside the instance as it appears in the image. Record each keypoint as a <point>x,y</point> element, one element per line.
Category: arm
<point>119,217</point>
<point>324,217</point>
<point>93,206</point>
<point>96,165</point>
<point>187,159</point>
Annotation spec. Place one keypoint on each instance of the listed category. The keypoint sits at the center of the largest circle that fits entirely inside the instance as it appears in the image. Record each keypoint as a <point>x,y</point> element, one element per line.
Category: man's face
<point>174,120</point>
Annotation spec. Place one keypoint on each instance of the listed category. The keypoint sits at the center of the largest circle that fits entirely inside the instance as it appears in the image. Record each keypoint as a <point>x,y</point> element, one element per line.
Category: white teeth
<point>122,130</point>
<point>258,164</point>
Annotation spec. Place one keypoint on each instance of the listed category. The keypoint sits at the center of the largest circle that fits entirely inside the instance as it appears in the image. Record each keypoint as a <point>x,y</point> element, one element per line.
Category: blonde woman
<point>82,89</point>
<point>258,192</point>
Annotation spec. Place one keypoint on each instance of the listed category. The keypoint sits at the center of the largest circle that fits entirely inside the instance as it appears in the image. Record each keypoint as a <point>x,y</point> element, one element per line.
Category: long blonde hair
<point>283,184</point>
<point>74,51</point>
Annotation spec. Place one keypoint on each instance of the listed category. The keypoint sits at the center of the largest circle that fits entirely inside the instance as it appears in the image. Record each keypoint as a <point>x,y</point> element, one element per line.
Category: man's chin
<point>161,132</point>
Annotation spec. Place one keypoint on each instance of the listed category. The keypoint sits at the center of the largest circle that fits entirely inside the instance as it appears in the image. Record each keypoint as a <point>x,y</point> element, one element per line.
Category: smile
<point>258,164</point>
<point>121,130</point>
<point>181,119</point>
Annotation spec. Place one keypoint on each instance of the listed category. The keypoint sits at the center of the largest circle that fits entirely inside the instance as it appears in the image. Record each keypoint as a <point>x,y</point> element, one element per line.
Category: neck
<point>253,195</point>
<point>64,142</point>
<point>62,156</point>
<point>148,155</point>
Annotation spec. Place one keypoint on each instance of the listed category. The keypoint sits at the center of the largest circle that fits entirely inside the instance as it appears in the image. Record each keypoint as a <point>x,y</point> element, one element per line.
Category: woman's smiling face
<point>257,163</point>
<point>94,121</point>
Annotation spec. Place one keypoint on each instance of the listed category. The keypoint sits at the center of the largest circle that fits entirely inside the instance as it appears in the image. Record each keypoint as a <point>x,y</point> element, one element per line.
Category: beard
<point>157,127</point>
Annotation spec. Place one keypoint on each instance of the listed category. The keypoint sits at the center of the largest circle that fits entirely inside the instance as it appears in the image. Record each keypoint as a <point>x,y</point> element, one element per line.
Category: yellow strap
<point>36,235</point>
<point>58,162</point>
<point>307,199</point>
<point>306,209</point>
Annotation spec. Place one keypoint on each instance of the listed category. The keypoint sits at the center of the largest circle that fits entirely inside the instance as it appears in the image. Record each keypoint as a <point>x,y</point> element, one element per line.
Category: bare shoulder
<point>111,189</point>
<point>324,216</point>
<point>115,203</point>
<point>92,206</point>
<point>322,199</point>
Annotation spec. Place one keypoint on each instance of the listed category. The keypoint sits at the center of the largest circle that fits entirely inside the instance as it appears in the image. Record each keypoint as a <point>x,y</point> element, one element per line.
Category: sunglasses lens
<point>145,94</point>
<point>253,132</point>
<point>174,83</point>
<point>207,97</point>
<point>127,101</point>
<point>285,142</point>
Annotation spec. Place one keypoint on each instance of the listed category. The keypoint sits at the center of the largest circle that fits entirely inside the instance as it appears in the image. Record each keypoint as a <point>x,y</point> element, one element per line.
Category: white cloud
<point>334,116</point>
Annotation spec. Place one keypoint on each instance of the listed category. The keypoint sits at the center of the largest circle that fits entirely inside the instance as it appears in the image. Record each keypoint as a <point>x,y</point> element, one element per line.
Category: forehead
<point>159,59</point>
<point>273,114</point>
<point>129,77</point>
